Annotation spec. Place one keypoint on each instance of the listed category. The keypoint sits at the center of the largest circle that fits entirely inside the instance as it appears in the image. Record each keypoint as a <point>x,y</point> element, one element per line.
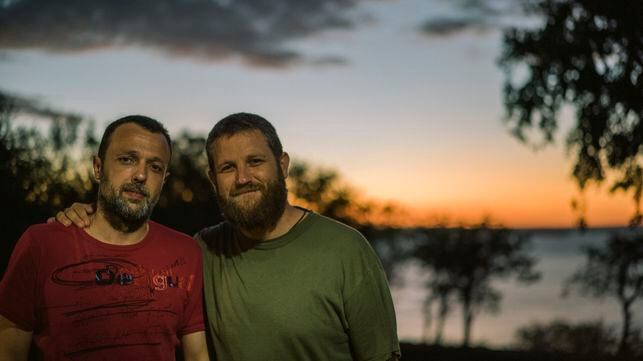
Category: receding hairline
<point>150,124</point>
<point>111,138</point>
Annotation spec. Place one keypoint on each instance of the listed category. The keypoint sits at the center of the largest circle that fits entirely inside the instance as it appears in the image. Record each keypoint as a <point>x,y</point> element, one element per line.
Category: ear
<point>284,163</point>
<point>213,179</point>
<point>167,174</point>
<point>98,167</point>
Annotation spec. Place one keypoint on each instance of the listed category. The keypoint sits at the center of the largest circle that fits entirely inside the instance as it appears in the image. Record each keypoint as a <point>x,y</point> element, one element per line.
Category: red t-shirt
<point>88,300</point>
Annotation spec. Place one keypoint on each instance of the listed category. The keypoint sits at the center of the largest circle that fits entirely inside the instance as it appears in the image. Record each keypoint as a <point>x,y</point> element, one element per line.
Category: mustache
<point>136,188</point>
<point>246,188</point>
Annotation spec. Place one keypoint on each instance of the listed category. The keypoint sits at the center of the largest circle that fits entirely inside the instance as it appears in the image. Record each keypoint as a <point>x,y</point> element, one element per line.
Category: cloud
<point>444,27</point>
<point>256,31</point>
<point>477,16</point>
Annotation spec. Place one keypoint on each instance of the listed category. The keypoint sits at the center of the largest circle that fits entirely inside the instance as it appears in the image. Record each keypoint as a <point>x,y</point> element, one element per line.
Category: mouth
<point>246,192</point>
<point>134,195</point>
<point>240,192</point>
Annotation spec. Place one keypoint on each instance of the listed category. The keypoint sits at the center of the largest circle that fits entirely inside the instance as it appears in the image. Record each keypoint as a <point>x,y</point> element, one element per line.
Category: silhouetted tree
<point>465,261</point>
<point>585,338</point>
<point>441,292</point>
<point>616,271</point>
<point>589,55</point>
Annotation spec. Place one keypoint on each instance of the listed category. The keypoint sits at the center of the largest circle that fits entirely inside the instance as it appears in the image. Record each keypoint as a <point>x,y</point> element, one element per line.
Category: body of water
<point>559,254</point>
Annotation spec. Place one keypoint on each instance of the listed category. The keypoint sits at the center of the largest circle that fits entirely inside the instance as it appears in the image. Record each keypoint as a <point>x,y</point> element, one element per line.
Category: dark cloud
<point>446,27</point>
<point>486,7</point>
<point>476,16</point>
<point>256,31</point>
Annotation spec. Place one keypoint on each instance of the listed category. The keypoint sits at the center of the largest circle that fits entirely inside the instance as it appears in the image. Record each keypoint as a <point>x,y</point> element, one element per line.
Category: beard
<point>257,216</point>
<point>117,209</point>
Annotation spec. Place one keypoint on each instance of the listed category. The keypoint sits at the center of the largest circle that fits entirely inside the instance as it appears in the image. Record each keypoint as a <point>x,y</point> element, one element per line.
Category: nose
<point>140,174</point>
<point>243,176</point>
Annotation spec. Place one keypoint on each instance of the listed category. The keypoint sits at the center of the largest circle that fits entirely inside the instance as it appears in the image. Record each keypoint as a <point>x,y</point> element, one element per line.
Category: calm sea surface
<point>559,254</point>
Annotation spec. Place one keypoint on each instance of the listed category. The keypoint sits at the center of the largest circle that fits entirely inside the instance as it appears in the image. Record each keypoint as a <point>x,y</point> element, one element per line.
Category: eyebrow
<point>225,162</point>
<point>249,156</point>
<point>137,155</point>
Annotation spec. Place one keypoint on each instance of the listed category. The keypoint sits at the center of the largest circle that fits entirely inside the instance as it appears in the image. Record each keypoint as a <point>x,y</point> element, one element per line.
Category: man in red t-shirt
<point>124,287</point>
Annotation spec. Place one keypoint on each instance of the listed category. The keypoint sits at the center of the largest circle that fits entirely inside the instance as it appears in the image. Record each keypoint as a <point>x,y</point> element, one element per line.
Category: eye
<point>157,168</point>
<point>225,168</point>
<point>255,161</point>
<point>125,160</point>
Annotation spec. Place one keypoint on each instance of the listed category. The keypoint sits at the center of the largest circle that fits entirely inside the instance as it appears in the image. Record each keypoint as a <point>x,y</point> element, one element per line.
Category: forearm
<point>14,342</point>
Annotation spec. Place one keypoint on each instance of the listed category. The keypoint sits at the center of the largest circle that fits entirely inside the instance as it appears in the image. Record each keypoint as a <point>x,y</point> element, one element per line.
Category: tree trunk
<point>624,345</point>
<point>427,311</point>
<point>442,315</point>
<point>467,315</point>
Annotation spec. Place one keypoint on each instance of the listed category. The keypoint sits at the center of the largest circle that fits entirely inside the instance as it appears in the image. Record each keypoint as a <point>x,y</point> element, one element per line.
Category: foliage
<point>585,338</point>
<point>321,190</point>
<point>588,55</point>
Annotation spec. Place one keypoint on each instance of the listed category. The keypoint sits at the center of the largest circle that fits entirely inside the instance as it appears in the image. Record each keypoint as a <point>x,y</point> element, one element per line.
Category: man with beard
<point>284,283</point>
<point>122,288</point>
<point>281,282</point>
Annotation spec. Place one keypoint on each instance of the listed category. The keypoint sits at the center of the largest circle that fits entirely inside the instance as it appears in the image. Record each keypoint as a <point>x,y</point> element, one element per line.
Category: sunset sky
<point>403,98</point>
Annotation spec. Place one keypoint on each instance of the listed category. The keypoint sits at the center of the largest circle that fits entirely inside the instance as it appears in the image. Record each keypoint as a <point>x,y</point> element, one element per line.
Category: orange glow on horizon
<point>602,210</point>
<point>517,189</point>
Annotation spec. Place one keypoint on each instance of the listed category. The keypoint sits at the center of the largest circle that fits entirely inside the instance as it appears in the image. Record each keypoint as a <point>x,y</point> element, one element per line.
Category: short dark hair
<point>243,122</point>
<point>147,123</point>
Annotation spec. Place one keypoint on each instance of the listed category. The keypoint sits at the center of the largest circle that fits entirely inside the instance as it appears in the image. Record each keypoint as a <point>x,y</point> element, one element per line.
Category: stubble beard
<point>117,210</point>
<point>263,215</point>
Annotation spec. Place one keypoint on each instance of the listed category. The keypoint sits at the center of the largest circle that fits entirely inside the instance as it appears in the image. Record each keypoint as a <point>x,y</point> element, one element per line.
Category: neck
<point>101,229</point>
<point>287,220</point>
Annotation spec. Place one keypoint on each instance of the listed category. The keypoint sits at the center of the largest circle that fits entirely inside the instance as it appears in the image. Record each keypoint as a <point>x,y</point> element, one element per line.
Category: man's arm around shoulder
<point>14,342</point>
